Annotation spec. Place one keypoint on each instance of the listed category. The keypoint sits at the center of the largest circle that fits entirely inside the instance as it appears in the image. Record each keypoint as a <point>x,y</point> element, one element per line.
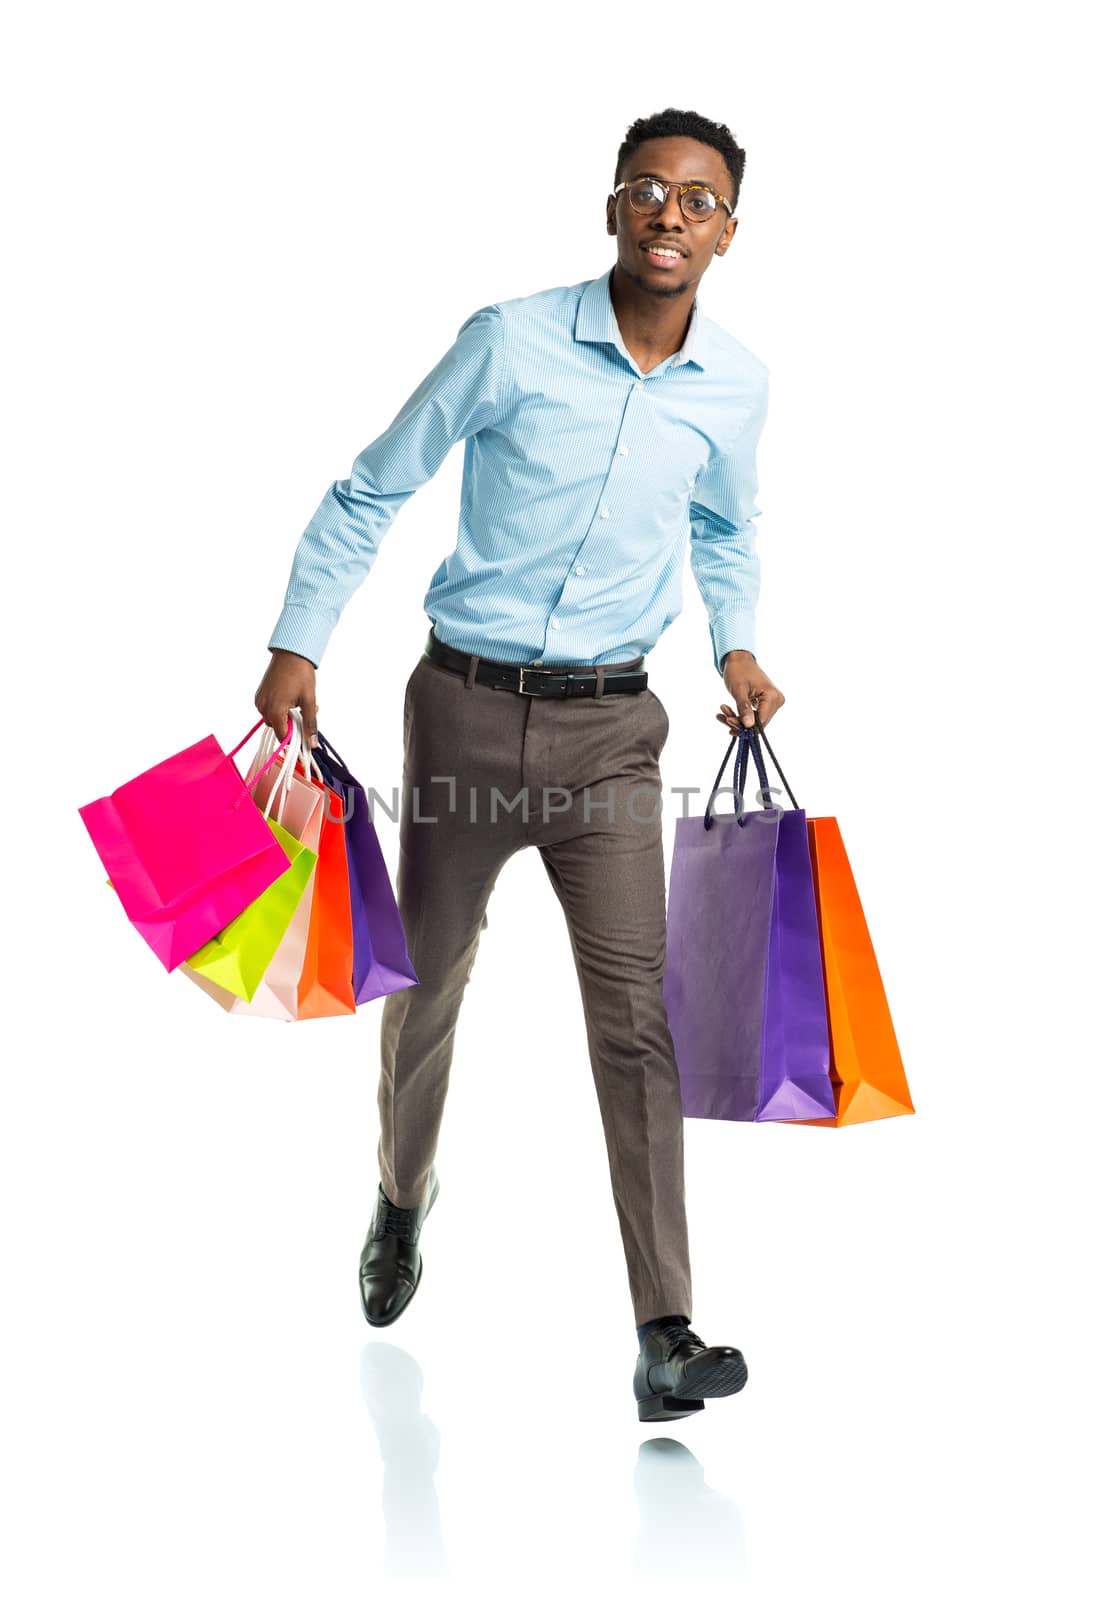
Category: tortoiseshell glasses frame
<point>661,188</point>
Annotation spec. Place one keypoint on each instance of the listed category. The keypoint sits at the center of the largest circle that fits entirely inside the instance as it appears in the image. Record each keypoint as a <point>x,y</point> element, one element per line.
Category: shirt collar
<point>596,321</point>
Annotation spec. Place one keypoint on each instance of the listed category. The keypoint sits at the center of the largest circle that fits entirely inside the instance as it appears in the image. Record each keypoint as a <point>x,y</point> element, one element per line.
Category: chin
<point>650,286</point>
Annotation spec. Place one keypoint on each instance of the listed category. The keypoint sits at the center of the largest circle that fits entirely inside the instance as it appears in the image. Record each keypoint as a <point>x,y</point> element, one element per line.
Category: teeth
<point>656,251</point>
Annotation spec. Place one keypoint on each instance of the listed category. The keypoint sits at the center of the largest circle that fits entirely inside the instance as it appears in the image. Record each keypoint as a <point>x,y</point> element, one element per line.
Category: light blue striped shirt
<point>583,479</point>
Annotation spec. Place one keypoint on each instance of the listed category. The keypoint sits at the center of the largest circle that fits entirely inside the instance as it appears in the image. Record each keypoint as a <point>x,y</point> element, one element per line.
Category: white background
<point>242,234</point>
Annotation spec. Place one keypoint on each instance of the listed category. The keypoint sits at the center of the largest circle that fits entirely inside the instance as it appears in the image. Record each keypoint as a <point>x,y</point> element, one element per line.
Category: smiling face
<point>677,160</point>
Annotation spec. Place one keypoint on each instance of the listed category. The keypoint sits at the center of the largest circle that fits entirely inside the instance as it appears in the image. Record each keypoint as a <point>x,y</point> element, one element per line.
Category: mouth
<point>665,256</point>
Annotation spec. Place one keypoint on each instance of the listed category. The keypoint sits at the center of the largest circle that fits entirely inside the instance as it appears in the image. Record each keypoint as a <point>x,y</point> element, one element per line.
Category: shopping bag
<point>299,810</point>
<point>744,989</point>
<point>380,957</point>
<point>185,847</point>
<point>325,987</point>
<point>868,1076</point>
<point>237,957</point>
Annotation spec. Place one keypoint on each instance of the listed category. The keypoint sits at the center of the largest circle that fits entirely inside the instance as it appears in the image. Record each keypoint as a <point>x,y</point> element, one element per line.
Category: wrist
<point>295,655</point>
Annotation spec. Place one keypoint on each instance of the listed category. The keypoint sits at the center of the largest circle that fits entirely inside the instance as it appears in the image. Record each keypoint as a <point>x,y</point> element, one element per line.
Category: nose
<point>670,214</point>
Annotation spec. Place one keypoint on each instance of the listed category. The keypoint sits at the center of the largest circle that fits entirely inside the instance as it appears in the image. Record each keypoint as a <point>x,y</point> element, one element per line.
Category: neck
<point>653,325</point>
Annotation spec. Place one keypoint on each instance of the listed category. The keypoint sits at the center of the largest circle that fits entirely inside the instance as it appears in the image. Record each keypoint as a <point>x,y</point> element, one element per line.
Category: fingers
<point>744,716</point>
<point>759,708</point>
<point>289,683</point>
<point>768,703</point>
<point>276,716</point>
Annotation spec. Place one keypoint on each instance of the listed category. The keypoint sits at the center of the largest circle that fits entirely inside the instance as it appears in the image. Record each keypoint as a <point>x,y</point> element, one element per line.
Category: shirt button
<point>537,663</point>
<point>554,623</point>
<point>638,382</point>
<point>579,571</point>
<point>624,449</point>
<point>604,512</point>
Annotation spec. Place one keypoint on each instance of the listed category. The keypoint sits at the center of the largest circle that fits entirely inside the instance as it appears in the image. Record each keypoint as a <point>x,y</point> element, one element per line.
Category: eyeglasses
<point>698,201</point>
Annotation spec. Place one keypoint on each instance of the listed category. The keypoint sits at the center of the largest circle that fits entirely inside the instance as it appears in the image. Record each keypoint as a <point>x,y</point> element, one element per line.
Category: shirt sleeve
<point>724,561</point>
<point>460,396</point>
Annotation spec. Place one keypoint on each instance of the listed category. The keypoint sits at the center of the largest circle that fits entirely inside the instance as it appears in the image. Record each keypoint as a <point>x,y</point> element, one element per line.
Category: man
<point>602,422</point>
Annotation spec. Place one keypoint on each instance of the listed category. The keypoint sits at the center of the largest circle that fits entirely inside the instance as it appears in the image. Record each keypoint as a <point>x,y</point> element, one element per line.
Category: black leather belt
<point>557,682</point>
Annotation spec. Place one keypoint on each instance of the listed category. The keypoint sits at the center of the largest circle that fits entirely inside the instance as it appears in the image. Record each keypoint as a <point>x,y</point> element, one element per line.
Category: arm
<point>727,571</point>
<point>724,561</point>
<point>458,397</point>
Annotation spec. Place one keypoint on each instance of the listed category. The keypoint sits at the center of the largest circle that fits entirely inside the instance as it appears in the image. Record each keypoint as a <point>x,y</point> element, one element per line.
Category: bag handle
<point>281,785</point>
<point>332,755</point>
<point>758,729</point>
<point>239,747</point>
<point>305,755</point>
<point>736,743</point>
<point>297,751</point>
<point>329,749</point>
<point>251,784</point>
<point>746,739</point>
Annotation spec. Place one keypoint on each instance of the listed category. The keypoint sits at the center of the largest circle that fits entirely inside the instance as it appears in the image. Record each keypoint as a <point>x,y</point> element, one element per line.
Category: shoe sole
<point>727,1378</point>
<point>666,1408</point>
<point>404,1306</point>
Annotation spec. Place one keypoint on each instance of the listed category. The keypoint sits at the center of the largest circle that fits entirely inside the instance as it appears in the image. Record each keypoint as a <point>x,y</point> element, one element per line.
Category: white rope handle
<point>284,771</point>
<point>296,750</point>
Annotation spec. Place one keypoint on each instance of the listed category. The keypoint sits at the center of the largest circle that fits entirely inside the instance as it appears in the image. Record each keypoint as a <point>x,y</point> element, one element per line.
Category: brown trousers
<point>580,780</point>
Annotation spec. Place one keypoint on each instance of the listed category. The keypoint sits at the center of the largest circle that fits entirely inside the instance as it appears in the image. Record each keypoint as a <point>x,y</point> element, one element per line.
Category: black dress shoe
<point>676,1371</point>
<point>390,1265</point>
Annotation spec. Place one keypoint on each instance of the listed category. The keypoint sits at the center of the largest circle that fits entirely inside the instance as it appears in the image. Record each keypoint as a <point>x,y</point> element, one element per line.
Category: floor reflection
<point>392,1384</point>
<point>685,1528</point>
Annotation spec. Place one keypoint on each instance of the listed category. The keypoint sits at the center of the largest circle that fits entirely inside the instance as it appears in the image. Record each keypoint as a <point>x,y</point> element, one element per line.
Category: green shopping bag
<point>237,957</point>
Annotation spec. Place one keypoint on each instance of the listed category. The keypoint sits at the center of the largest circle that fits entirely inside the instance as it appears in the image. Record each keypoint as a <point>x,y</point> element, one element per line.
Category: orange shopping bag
<point>865,1062</point>
<point>325,988</point>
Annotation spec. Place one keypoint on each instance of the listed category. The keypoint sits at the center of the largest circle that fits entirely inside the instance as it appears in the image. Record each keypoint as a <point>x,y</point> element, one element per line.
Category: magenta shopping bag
<point>744,988</point>
<point>381,963</point>
<point>186,847</point>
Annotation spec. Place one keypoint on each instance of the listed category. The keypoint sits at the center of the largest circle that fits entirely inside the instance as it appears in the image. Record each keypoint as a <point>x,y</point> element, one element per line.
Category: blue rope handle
<point>744,739</point>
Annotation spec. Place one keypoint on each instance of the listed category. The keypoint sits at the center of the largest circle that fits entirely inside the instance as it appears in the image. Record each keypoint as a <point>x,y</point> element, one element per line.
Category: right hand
<point>290,680</point>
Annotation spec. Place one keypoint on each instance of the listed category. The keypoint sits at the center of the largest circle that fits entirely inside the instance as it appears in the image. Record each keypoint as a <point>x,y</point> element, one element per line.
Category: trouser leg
<point>446,872</point>
<point>609,877</point>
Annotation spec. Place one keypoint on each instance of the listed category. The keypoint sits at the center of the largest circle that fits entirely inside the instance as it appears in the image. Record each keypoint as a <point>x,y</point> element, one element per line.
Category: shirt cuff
<point>734,631</point>
<point>304,631</point>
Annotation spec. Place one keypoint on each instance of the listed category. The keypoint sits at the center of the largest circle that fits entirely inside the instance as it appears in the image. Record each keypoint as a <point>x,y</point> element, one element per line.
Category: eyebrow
<point>706,183</point>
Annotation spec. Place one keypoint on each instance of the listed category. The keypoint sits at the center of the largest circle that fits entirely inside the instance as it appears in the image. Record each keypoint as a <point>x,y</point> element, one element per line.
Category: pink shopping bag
<point>186,847</point>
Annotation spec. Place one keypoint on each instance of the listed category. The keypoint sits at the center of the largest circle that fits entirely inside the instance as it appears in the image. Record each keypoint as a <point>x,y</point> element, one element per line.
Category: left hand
<point>748,684</point>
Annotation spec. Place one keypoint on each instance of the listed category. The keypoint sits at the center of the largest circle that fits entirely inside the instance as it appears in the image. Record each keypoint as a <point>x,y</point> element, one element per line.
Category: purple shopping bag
<point>380,955</point>
<point>186,847</point>
<point>744,989</point>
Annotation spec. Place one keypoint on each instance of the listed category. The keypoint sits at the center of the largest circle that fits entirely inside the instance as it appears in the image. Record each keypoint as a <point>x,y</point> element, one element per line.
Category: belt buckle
<point>532,672</point>
<point>543,672</point>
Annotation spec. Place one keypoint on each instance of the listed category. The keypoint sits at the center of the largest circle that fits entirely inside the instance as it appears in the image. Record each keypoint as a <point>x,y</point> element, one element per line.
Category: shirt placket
<point>613,494</point>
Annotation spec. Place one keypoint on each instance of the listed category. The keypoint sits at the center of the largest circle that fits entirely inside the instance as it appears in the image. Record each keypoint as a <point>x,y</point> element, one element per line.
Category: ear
<point>727,236</point>
<point>611,226</point>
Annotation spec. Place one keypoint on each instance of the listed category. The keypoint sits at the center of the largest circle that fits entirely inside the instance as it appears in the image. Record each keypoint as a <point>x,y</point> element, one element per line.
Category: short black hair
<point>673,124</point>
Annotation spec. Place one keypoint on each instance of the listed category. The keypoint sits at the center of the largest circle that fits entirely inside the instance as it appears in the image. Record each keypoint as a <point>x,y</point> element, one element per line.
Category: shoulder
<point>735,359</point>
<point>544,305</point>
<point>528,331</point>
<point>537,321</point>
